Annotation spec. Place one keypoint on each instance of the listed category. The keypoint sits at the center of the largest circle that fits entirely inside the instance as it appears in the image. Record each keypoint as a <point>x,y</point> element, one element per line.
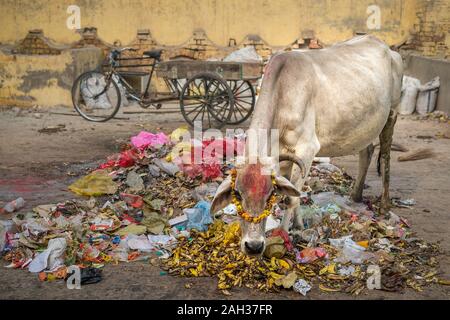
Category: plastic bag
<point>307,217</point>
<point>426,100</point>
<point>410,89</point>
<point>140,243</point>
<point>134,182</point>
<point>328,167</point>
<point>167,167</point>
<point>52,258</point>
<point>96,183</point>
<point>178,133</point>
<point>162,241</point>
<point>350,250</point>
<point>199,216</point>
<point>309,255</point>
<point>145,139</point>
<point>247,54</point>
<point>205,191</point>
<point>127,158</point>
<point>92,87</point>
<point>14,205</point>
<point>90,275</point>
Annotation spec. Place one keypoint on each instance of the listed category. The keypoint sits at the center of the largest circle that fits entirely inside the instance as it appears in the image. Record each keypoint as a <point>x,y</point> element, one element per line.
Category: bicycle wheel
<point>244,100</point>
<point>95,97</point>
<point>206,98</point>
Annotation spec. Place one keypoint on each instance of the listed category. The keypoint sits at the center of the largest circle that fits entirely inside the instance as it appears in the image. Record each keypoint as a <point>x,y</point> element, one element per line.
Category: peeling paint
<point>44,80</point>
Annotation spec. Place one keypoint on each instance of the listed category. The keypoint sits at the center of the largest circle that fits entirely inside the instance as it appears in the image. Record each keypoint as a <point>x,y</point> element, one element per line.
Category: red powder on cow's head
<point>256,185</point>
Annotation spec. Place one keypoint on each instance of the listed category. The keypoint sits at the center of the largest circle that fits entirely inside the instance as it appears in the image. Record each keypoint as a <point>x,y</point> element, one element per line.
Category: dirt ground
<point>40,166</point>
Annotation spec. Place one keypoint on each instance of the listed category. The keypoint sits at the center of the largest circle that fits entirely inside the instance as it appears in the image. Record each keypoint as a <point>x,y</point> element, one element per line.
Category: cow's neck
<point>262,123</point>
<point>264,112</point>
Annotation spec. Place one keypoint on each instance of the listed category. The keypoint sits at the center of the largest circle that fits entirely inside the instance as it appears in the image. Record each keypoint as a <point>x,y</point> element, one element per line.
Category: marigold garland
<point>240,210</point>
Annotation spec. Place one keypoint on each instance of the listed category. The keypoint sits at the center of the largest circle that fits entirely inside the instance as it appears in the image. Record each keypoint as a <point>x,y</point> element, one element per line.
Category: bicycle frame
<point>115,65</point>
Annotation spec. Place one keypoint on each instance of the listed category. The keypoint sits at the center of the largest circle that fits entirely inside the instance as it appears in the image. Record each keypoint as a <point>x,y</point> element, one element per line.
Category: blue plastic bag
<point>199,216</point>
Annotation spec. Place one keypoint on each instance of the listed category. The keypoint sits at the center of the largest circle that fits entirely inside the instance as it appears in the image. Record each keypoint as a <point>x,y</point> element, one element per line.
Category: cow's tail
<point>379,163</point>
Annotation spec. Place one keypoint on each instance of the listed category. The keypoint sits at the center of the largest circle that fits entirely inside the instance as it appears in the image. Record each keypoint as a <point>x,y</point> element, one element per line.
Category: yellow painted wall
<point>15,69</point>
<point>27,80</point>
<point>171,22</point>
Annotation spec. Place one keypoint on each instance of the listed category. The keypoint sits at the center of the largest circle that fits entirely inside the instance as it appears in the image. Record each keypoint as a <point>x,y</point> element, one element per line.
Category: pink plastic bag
<point>145,139</point>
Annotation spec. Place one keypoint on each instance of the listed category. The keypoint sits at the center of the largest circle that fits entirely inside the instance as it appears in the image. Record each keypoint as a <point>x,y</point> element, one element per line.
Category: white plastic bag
<point>50,259</point>
<point>410,89</point>
<point>426,100</point>
<point>247,54</point>
<point>350,250</point>
<point>91,87</point>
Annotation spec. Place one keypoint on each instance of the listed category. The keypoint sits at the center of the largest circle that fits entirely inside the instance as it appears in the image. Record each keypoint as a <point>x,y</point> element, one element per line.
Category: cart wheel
<point>206,98</point>
<point>95,97</point>
<point>244,100</point>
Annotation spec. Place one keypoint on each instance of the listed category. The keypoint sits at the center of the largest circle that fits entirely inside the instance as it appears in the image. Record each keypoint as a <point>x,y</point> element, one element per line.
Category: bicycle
<point>214,92</point>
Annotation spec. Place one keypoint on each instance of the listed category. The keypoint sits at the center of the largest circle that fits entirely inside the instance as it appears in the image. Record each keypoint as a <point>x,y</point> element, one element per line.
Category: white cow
<point>330,102</point>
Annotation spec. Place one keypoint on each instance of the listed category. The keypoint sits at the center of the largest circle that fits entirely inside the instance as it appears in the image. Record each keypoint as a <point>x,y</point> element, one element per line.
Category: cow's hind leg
<point>365,157</point>
<point>385,155</point>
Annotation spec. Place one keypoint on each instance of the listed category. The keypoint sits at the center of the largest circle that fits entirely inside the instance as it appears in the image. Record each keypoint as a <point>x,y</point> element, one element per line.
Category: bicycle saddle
<point>155,54</point>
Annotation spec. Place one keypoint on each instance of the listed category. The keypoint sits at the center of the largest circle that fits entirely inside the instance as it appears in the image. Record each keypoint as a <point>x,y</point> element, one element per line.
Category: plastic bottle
<point>14,205</point>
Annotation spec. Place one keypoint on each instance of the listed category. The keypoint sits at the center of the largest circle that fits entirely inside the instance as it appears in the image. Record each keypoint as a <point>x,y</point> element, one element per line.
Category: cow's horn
<point>294,159</point>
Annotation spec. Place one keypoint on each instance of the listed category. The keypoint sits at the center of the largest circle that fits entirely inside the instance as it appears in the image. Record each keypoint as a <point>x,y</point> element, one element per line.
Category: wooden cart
<point>223,91</point>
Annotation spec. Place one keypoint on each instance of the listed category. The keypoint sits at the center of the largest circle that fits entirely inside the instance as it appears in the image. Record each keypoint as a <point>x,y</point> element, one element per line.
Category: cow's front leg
<point>365,156</point>
<point>288,216</point>
<point>306,152</point>
<point>385,156</point>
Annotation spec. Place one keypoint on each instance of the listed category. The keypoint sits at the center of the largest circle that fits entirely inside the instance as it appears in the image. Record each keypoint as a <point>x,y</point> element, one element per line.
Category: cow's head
<point>253,188</point>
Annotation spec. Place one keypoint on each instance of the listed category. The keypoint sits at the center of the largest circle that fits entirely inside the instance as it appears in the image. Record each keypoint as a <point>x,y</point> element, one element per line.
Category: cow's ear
<point>284,186</point>
<point>223,195</point>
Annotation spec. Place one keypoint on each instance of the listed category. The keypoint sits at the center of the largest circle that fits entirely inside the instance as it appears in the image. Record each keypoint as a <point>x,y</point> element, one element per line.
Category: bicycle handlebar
<point>115,54</point>
<point>127,49</point>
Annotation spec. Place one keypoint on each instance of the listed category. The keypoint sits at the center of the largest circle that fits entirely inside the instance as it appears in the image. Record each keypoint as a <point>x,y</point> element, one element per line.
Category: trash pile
<point>148,203</point>
<point>335,253</point>
<point>324,176</point>
<point>133,202</point>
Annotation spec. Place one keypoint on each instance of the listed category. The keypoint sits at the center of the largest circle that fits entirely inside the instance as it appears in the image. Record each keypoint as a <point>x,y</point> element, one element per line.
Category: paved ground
<point>39,166</point>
